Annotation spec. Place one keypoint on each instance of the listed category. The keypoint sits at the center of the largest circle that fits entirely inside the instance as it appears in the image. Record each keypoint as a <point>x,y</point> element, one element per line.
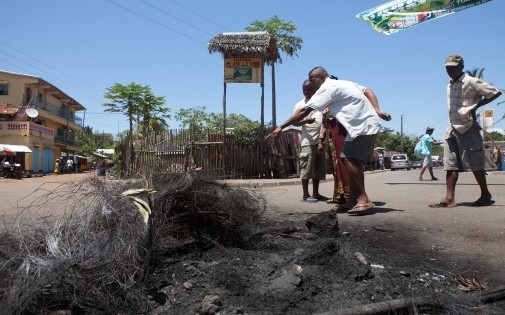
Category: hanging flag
<point>394,16</point>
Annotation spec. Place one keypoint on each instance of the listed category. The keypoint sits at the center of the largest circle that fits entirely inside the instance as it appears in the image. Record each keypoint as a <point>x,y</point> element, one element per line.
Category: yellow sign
<point>242,70</point>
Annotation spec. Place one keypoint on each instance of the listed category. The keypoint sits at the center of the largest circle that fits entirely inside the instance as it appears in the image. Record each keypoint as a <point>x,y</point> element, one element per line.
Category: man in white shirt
<point>357,109</point>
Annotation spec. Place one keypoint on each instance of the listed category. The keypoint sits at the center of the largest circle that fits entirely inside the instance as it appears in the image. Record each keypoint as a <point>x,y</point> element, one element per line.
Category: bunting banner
<point>397,15</point>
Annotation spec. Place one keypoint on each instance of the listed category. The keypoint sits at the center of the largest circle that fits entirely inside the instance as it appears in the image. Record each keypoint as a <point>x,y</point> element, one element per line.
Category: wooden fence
<point>176,151</point>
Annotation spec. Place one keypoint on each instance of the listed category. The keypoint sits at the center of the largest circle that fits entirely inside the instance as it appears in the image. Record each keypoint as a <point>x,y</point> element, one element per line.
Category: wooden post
<point>224,113</point>
<point>262,94</point>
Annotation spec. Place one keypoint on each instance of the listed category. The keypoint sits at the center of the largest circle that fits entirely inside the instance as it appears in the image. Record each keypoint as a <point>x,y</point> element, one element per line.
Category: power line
<point>154,21</point>
<point>175,17</point>
<point>198,14</point>
<point>49,66</point>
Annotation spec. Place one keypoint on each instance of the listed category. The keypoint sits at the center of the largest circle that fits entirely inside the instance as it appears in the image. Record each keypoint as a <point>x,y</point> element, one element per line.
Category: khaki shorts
<point>428,161</point>
<point>464,152</point>
<point>312,164</point>
<point>361,148</point>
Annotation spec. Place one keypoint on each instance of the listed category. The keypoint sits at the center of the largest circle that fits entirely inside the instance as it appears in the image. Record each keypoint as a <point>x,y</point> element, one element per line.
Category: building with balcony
<point>39,116</point>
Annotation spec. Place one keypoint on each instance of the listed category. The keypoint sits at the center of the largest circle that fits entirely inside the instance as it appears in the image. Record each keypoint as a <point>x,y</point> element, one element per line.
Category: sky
<point>85,47</point>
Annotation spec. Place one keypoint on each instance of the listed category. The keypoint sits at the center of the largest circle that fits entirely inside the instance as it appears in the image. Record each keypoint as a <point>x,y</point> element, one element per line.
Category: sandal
<point>360,209</point>
<point>482,202</point>
<point>443,204</point>
<point>309,199</point>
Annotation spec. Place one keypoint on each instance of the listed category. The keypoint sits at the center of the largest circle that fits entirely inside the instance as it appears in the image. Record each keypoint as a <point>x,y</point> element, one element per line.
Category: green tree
<point>282,32</point>
<point>394,141</point>
<point>245,130</point>
<point>495,136</point>
<point>91,141</point>
<point>196,119</point>
<point>135,102</point>
<point>476,73</point>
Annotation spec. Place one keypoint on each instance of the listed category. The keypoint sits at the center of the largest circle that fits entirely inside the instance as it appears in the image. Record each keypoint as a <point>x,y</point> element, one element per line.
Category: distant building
<point>39,116</point>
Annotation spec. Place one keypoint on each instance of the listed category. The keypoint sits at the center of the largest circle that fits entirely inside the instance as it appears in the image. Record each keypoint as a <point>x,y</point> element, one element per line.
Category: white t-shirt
<point>310,132</point>
<point>345,100</point>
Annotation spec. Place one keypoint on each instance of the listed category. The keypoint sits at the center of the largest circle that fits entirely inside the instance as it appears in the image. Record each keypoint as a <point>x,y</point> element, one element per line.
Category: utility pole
<point>401,125</point>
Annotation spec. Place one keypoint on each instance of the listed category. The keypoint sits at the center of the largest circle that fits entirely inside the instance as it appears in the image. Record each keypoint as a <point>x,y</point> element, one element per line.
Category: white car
<point>400,161</point>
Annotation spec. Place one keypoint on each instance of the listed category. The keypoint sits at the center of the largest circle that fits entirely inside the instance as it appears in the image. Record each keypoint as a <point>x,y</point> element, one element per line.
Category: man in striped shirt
<point>464,147</point>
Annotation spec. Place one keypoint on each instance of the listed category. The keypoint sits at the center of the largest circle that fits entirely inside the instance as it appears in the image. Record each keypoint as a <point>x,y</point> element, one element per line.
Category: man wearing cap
<point>464,147</point>
<point>427,143</point>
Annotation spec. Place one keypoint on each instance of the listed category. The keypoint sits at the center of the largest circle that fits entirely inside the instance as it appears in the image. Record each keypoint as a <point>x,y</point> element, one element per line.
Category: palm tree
<point>476,73</point>
<point>282,32</point>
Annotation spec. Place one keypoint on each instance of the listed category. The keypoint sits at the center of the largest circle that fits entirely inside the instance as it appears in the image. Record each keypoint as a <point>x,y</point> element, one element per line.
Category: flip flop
<point>321,198</point>
<point>482,202</point>
<point>310,199</point>
<point>360,209</point>
<point>443,204</point>
<point>341,209</point>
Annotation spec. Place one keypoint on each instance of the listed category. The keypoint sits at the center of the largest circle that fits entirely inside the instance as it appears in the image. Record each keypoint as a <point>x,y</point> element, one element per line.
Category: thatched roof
<point>245,44</point>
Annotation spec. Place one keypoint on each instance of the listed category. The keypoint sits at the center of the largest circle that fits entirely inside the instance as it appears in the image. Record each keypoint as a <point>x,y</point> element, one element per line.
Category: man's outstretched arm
<point>375,103</point>
<point>294,119</point>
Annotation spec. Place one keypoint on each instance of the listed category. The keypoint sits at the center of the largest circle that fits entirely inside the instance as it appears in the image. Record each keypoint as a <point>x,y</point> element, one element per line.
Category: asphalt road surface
<point>457,237</point>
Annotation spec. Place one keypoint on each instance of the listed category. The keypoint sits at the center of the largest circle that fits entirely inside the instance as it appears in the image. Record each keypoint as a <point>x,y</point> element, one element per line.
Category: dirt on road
<point>304,259</point>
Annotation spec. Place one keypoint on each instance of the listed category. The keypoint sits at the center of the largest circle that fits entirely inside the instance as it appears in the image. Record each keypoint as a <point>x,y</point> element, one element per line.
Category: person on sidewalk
<point>427,143</point>
<point>312,156</point>
<point>357,109</point>
<point>464,146</point>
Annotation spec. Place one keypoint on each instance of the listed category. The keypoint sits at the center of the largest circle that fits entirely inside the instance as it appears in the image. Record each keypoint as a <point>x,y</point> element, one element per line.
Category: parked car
<point>417,164</point>
<point>400,161</point>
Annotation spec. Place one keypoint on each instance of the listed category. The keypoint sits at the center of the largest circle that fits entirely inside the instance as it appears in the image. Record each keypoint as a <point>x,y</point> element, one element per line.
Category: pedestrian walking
<point>427,143</point>
<point>464,146</point>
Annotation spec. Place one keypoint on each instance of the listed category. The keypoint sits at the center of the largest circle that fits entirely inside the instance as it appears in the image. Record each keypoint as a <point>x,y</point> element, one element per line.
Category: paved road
<point>460,236</point>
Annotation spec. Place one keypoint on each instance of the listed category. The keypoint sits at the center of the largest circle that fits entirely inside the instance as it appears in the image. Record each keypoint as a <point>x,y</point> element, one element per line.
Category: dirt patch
<point>209,248</point>
<point>287,269</point>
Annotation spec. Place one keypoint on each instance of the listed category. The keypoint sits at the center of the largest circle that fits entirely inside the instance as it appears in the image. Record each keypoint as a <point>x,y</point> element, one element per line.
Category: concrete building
<point>37,116</point>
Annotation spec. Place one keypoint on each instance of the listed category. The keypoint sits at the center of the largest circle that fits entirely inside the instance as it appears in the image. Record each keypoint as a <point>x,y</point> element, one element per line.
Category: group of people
<point>348,115</point>
<point>62,166</point>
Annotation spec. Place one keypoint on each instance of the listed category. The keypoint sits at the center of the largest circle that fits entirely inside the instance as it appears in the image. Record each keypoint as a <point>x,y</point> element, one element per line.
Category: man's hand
<point>274,134</point>
<point>320,148</point>
<point>385,116</point>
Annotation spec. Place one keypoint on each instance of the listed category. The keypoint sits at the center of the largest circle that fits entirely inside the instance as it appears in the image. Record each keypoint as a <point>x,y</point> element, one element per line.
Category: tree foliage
<point>394,141</point>
<point>289,44</point>
<point>244,130</point>
<point>495,136</point>
<point>91,141</point>
<point>137,103</point>
<point>282,32</point>
<point>476,73</point>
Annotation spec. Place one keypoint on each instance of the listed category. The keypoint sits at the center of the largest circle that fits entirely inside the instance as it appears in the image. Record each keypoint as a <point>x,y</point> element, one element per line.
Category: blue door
<point>47,160</point>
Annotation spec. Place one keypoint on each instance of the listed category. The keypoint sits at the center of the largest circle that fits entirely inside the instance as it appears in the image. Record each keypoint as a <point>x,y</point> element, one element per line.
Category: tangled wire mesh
<point>84,247</point>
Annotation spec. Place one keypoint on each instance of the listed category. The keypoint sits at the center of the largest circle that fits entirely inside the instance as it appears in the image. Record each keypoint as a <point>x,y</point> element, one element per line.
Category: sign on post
<point>242,70</point>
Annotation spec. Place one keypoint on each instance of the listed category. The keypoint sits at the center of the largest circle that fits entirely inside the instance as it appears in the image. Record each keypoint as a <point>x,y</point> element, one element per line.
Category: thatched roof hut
<point>245,44</point>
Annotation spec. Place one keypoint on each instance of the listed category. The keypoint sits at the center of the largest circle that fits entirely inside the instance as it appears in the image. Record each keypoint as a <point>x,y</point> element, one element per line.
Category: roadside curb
<point>256,183</point>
